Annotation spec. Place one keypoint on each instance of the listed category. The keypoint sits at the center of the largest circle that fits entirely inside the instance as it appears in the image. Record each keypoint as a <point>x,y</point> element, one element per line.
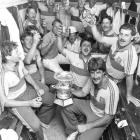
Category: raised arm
<point>40,67</point>
<point>48,41</point>
<point>100,38</point>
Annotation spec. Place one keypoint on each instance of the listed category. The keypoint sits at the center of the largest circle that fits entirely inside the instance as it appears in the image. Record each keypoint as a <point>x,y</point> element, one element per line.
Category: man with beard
<point>73,42</point>
<point>78,61</point>
<point>106,30</point>
<point>122,59</point>
<point>99,110</point>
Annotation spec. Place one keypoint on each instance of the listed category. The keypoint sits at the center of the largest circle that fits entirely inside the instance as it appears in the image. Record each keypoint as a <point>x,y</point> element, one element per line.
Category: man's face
<point>56,28</point>
<point>125,37</point>
<point>15,56</point>
<point>32,14</point>
<point>86,48</point>
<point>72,37</point>
<point>28,41</point>
<point>97,76</point>
<point>106,25</point>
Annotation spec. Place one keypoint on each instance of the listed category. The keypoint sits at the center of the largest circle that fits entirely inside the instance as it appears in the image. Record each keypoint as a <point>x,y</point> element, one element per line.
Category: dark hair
<point>89,39</point>
<point>6,49</point>
<point>108,17</point>
<point>30,28</point>
<point>130,27</point>
<point>29,8</point>
<point>96,64</point>
<point>25,34</point>
<point>55,21</point>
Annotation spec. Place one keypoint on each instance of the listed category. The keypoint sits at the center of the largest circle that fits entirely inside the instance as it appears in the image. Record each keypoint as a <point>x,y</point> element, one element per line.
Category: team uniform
<point>78,67</point>
<point>121,62</point>
<point>16,88</point>
<point>103,101</point>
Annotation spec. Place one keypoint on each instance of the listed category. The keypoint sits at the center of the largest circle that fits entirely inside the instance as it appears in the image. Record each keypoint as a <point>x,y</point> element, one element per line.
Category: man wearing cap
<point>73,43</point>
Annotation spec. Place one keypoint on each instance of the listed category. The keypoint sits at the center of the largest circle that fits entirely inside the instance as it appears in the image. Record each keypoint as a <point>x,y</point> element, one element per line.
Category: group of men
<point>27,90</point>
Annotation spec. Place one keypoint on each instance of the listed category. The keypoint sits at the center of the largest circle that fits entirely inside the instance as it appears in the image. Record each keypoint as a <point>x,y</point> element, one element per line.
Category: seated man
<point>22,92</point>
<point>30,19</point>
<point>78,61</point>
<point>33,63</point>
<point>99,110</point>
<point>73,42</point>
<point>49,50</point>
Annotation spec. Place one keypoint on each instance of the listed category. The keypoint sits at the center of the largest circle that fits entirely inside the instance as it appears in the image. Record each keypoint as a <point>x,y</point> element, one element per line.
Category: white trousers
<point>53,64</point>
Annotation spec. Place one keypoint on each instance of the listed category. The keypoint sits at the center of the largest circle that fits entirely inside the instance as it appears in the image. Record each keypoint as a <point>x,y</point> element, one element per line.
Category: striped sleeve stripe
<point>130,58</point>
<point>112,98</point>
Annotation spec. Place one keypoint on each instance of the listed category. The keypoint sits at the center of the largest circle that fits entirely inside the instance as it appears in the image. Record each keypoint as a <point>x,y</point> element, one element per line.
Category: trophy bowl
<point>64,85</point>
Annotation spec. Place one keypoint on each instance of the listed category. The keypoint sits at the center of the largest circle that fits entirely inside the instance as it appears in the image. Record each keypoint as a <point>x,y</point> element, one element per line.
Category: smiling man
<point>122,59</point>
<point>99,110</point>
<point>106,30</point>
<point>78,61</point>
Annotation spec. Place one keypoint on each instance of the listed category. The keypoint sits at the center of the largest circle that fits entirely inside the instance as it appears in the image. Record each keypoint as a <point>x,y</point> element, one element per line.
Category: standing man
<point>49,49</point>
<point>99,110</point>
<point>122,59</point>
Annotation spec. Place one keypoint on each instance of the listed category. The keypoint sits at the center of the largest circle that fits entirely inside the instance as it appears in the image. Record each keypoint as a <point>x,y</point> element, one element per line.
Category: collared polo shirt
<point>78,68</point>
<point>14,82</point>
<point>121,62</point>
<point>105,99</point>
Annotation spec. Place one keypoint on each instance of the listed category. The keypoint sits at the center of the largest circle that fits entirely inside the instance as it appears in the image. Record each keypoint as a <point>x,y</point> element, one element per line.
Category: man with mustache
<point>99,110</point>
<point>122,59</point>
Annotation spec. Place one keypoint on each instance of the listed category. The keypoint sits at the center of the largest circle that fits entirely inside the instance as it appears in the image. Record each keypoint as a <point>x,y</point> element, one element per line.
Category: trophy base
<point>62,102</point>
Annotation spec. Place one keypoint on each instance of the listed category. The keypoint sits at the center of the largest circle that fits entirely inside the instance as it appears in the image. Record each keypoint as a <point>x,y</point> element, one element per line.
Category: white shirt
<point>105,100</point>
<point>75,47</point>
<point>121,62</point>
